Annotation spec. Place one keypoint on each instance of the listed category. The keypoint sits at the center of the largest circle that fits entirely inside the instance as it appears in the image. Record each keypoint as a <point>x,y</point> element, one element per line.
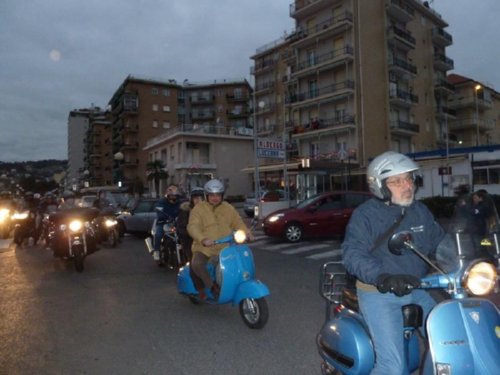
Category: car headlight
<point>20,215</point>
<point>4,214</point>
<point>75,225</point>
<point>480,278</point>
<point>275,218</point>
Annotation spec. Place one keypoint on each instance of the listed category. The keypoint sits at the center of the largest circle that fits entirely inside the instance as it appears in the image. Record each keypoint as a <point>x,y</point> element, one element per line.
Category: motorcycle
<point>171,253</point>
<point>235,274</point>
<point>5,224</point>
<point>24,223</point>
<point>73,236</point>
<point>107,228</point>
<point>463,332</point>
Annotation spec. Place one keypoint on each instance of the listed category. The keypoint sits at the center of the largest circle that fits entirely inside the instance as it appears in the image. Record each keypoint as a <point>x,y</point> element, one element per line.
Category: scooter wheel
<point>254,312</point>
<point>112,238</point>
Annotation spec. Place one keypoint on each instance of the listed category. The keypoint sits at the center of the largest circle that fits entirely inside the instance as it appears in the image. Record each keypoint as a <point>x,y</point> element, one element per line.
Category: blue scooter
<point>463,333</point>
<point>235,274</point>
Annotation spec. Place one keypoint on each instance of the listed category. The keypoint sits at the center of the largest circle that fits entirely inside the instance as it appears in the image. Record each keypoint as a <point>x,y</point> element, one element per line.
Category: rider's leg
<point>383,316</point>
<point>199,267</point>
<point>157,241</point>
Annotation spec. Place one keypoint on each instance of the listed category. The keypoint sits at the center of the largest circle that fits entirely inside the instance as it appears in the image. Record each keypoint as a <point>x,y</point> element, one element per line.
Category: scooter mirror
<point>398,241</point>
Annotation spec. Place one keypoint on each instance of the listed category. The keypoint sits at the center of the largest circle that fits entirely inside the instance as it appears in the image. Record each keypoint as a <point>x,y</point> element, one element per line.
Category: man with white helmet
<point>209,220</point>
<point>385,281</point>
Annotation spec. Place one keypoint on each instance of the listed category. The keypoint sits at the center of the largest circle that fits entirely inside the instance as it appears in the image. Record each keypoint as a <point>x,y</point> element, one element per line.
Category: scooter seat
<point>350,299</point>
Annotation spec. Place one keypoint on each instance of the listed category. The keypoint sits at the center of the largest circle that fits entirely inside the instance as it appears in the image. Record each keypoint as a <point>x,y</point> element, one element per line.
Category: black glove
<point>400,285</point>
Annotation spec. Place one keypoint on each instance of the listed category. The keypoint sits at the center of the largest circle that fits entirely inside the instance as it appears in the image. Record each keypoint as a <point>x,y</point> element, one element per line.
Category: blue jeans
<point>383,316</point>
<point>158,237</point>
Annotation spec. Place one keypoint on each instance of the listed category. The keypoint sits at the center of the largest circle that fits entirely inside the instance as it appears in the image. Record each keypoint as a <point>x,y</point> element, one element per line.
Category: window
<point>166,125</point>
<point>166,108</point>
<point>172,150</point>
<point>155,107</point>
<point>155,123</point>
<point>165,92</point>
<point>154,91</point>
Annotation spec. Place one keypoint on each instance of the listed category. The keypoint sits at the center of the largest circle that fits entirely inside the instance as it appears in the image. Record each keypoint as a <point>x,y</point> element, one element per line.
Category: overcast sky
<point>59,55</point>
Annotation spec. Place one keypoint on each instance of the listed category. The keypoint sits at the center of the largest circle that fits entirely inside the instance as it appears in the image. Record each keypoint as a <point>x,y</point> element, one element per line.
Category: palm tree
<point>155,171</point>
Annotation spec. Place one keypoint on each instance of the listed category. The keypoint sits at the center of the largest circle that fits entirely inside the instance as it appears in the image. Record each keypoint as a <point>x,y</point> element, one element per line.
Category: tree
<point>156,172</point>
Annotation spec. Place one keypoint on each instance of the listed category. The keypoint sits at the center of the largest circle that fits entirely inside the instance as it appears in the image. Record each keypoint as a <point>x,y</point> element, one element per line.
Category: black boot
<point>215,289</point>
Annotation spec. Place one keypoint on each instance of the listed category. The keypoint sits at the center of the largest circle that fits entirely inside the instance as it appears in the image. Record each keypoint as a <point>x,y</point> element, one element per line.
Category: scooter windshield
<point>472,231</point>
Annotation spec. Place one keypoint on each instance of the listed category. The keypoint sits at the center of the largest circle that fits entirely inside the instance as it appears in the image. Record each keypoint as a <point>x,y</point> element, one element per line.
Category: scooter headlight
<point>110,223</point>
<point>75,225</point>
<point>240,236</point>
<point>480,278</point>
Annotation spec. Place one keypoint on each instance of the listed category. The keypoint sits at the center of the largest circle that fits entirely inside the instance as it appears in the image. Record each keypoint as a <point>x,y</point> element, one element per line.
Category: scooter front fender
<point>250,289</point>
<point>184,282</point>
<point>466,335</point>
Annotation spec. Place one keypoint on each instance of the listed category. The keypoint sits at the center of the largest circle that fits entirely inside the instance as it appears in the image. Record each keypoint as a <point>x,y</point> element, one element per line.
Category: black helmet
<point>197,192</point>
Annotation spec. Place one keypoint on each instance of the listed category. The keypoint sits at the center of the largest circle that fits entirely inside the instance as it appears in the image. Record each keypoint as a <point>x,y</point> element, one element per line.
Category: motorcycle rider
<point>196,196</point>
<point>384,281</point>
<point>167,209</point>
<point>211,219</point>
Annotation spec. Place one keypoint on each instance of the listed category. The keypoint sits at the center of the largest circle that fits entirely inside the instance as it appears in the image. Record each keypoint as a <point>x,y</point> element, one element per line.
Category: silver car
<point>138,217</point>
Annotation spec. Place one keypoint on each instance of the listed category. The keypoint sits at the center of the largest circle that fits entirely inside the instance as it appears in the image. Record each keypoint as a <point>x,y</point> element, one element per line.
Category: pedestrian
<point>385,281</point>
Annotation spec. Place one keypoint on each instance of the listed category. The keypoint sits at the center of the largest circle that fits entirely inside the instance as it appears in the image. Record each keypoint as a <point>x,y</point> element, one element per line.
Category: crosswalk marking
<point>327,254</point>
<point>304,249</point>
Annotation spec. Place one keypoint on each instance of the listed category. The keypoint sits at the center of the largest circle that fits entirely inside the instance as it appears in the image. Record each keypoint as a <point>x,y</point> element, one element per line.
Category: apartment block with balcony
<point>363,77</point>
<point>142,108</point>
<point>215,139</point>
<point>98,151</point>
<point>476,108</point>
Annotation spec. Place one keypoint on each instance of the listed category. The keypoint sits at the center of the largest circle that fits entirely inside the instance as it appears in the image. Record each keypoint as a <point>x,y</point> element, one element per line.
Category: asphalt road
<point>122,315</point>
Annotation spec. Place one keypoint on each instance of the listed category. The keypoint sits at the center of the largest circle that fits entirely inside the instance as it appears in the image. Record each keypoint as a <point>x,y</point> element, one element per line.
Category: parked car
<point>265,196</point>
<point>137,217</point>
<point>322,215</point>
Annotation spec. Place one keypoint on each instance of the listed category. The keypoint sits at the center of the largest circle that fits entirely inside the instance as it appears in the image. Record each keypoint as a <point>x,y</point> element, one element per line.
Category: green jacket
<point>207,221</point>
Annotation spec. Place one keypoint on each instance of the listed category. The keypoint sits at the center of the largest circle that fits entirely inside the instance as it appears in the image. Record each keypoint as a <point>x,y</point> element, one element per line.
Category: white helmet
<point>214,186</point>
<point>388,164</point>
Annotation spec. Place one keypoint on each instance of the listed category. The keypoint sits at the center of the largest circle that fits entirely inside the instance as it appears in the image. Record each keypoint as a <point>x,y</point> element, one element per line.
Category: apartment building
<point>141,108</point>
<point>98,151</point>
<point>361,77</point>
<point>214,138</point>
<point>78,125</point>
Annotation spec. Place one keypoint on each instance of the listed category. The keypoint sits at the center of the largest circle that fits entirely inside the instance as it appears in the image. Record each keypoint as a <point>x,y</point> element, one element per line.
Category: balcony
<point>329,92</point>
<point>303,8</point>
<point>324,61</point>
<point>130,128</point>
<point>400,38</point>
<point>264,86</point>
<point>130,146</point>
<point>202,99</point>
<point>404,128</point>
<point>441,62</point>
<point>128,104</point>
<point>202,115</point>
<point>402,67</point>
<point>400,10</point>
<point>231,98</point>
<point>327,29</point>
<point>262,65</point>
<point>266,129</point>
<point>237,114</point>
<point>441,37</point>
<point>442,86</point>
<point>322,125</point>
<point>470,102</point>
<point>445,112</point>
<point>402,98</point>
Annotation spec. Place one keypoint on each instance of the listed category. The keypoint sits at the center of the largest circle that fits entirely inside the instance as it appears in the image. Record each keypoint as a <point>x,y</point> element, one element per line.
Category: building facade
<point>361,78</point>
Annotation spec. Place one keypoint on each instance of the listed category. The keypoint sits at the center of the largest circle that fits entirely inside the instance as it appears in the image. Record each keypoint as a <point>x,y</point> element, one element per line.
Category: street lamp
<point>476,89</point>
<point>119,158</point>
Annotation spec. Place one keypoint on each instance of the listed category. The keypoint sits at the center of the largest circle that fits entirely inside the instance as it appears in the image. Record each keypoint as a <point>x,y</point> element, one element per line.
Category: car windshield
<point>306,202</point>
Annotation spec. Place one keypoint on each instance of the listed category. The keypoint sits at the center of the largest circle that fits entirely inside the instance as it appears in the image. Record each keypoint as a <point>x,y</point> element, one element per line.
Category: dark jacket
<point>372,219</point>
<point>166,211</point>
<point>181,225</point>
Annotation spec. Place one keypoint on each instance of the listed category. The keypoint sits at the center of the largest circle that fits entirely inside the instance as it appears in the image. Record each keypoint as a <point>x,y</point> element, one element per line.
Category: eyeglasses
<point>400,181</point>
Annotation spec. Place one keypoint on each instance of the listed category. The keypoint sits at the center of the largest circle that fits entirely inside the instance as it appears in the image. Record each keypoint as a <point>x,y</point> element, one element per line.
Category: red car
<point>323,215</point>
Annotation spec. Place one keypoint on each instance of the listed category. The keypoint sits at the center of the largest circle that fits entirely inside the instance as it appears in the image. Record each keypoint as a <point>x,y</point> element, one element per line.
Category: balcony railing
<point>400,10</point>
<point>405,96</point>
<point>441,37</point>
<point>403,64</point>
<point>402,35</point>
<point>324,123</point>
<point>321,59</point>
<point>404,126</point>
<point>314,93</point>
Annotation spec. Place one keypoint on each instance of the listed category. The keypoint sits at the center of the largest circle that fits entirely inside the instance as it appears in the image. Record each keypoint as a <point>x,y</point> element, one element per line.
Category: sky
<point>60,55</point>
